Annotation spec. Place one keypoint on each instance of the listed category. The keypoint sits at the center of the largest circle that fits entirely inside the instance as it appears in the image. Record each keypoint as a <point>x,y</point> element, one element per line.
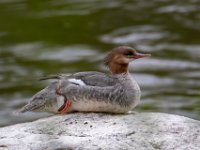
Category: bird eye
<point>128,55</point>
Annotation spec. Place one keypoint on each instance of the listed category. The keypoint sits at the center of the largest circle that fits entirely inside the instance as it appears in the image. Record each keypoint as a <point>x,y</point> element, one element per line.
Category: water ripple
<point>135,34</point>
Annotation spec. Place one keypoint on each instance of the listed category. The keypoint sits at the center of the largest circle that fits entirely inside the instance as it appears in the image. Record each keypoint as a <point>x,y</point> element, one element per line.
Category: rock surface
<point>142,131</point>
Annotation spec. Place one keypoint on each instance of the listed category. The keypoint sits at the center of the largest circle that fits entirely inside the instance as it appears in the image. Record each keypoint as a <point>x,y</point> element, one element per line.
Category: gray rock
<point>82,131</point>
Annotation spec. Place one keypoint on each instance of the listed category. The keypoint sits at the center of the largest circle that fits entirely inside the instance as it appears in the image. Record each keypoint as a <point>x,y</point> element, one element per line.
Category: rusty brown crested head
<point>118,59</point>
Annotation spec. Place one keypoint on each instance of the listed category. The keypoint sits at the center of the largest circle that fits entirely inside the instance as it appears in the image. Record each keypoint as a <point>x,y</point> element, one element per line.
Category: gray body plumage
<point>98,92</point>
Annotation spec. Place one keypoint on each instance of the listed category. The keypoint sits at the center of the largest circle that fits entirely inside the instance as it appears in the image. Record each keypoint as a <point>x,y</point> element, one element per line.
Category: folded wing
<point>89,78</point>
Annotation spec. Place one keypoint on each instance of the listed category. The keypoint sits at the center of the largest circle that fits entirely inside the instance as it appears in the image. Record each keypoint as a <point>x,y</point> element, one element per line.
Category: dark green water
<point>38,38</point>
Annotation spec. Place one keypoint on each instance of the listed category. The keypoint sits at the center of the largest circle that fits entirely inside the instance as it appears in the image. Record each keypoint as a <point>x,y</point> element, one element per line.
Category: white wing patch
<point>77,81</point>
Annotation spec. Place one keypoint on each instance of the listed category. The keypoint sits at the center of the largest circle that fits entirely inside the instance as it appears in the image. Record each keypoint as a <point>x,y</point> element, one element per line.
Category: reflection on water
<point>47,37</point>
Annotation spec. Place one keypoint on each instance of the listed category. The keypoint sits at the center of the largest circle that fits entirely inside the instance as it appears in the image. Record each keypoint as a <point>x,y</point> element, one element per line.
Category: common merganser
<point>90,91</point>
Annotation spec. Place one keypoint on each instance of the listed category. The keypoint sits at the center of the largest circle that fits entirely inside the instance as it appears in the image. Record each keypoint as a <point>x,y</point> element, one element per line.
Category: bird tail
<point>26,108</point>
<point>23,109</point>
<point>41,100</point>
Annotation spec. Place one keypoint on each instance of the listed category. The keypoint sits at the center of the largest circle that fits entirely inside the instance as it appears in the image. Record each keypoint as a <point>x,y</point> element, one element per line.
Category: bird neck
<point>116,68</point>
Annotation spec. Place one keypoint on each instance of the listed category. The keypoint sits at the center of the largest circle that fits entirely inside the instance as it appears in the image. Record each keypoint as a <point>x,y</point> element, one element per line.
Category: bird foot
<point>65,107</point>
<point>67,103</point>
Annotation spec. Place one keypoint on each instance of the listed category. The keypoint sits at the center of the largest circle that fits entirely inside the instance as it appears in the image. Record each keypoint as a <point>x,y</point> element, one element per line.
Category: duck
<point>92,91</point>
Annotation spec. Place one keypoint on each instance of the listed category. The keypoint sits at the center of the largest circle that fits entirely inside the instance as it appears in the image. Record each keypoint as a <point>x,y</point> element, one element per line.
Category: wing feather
<point>91,78</point>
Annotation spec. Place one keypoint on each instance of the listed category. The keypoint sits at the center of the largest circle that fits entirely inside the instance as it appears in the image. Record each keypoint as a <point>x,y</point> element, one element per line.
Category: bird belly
<point>98,106</point>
